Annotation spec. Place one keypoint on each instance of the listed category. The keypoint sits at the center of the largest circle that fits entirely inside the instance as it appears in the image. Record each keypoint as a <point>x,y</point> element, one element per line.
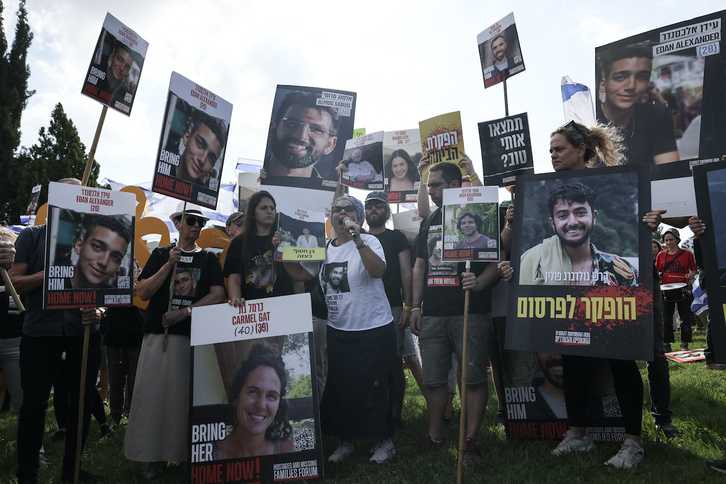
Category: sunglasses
<point>375,204</point>
<point>345,208</point>
<point>194,220</point>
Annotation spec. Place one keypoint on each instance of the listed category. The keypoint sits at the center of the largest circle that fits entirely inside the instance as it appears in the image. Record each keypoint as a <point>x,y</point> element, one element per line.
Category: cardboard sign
<point>442,140</point>
<point>364,159</point>
<point>506,150</point>
<point>499,51</point>
<point>471,224</point>
<point>302,232</point>
<point>401,154</point>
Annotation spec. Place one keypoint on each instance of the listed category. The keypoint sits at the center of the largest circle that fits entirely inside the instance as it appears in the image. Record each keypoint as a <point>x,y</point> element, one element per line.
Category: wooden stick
<point>173,273</point>
<point>92,153</point>
<point>464,364</point>
<point>506,99</point>
<point>10,289</point>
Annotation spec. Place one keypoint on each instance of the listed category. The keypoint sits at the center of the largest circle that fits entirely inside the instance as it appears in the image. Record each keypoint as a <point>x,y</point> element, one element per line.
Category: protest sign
<point>408,222</point>
<point>506,149</point>
<point>264,344</point>
<point>364,159</point>
<point>442,140</point>
<point>115,70</point>
<point>658,86</point>
<point>672,189</point>
<point>193,143</point>
<point>34,198</point>
<point>401,154</point>
<point>89,251</point>
<point>499,51</point>
<point>302,232</point>
<point>308,132</point>
<point>710,183</point>
<point>588,289</point>
<point>471,224</point>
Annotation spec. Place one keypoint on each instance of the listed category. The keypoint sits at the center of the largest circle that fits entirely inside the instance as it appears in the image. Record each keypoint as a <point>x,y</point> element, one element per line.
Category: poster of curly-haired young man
<point>582,264</point>
<point>254,415</point>
<point>193,143</point>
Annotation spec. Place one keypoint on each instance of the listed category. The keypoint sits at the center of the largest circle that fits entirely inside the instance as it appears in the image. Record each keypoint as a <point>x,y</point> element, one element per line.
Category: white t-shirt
<point>358,302</point>
<point>357,169</point>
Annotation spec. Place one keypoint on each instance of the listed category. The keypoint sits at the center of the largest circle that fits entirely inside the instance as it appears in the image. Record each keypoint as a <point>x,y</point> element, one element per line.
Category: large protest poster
<point>471,224</point>
<point>499,51</point>
<point>535,406</point>
<point>672,190</point>
<point>506,150</point>
<point>583,264</point>
<point>302,232</point>
<point>665,89</point>
<point>710,183</point>
<point>401,154</point>
<point>193,143</point>
<point>115,70</point>
<point>442,140</point>
<point>89,250</point>
<point>309,128</point>
<point>265,345</point>
<point>364,159</point>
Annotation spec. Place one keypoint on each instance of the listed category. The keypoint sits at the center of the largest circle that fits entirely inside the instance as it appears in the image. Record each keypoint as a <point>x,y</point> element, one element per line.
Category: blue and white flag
<point>577,102</point>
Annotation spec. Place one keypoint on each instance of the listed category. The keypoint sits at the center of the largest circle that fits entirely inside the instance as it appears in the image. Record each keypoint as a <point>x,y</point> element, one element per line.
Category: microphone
<point>351,231</point>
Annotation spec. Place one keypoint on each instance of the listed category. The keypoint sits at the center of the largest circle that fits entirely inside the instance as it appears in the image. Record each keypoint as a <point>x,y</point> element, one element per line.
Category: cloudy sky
<point>407,61</point>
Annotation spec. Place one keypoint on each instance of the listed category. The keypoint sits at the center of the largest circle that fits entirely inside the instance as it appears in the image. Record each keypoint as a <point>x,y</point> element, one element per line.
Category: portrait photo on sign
<point>95,250</point>
<point>298,233</point>
<point>401,154</point>
<point>499,51</point>
<point>364,159</point>
<point>600,213</point>
<point>335,278</point>
<point>307,134</point>
<point>186,280</point>
<point>115,70</point>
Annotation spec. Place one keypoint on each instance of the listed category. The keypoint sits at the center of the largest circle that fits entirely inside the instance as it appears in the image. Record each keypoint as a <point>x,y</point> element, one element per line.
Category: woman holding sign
<point>361,386</point>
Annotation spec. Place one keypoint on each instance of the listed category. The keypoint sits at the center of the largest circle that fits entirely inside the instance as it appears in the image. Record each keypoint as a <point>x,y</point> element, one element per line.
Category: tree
<point>14,95</point>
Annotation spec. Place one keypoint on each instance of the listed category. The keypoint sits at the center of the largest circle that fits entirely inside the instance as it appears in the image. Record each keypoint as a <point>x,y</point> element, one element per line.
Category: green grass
<point>698,400</point>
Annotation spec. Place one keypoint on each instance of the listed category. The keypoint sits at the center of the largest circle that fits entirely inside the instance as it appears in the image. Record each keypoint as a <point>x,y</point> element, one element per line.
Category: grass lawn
<point>698,400</point>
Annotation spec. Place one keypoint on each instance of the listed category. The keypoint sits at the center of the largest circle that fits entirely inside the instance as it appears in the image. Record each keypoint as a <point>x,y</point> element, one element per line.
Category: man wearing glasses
<point>301,134</point>
<point>440,328</point>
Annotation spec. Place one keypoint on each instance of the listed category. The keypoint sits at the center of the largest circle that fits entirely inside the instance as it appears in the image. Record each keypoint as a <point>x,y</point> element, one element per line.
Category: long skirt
<point>361,386</point>
<point>159,416</point>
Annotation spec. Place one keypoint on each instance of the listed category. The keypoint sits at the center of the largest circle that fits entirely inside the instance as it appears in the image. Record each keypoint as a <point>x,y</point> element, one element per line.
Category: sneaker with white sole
<point>345,448</point>
<point>629,455</point>
<point>382,451</point>
<point>573,443</point>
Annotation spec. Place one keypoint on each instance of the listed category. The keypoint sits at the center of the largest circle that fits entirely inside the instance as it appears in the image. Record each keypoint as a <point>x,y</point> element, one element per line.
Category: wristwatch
<point>361,246</point>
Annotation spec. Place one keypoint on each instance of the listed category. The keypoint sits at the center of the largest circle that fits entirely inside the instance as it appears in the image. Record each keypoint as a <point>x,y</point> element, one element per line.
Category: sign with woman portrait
<point>499,51</point>
<point>401,154</point>
<point>193,143</point>
<point>89,251</point>
<point>442,140</point>
<point>302,232</point>
<point>658,86</point>
<point>115,70</point>
<point>254,414</point>
<point>582,264</point>
<point>471,224</point>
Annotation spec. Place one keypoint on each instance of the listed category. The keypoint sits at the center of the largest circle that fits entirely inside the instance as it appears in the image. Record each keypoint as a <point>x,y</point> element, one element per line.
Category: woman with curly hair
<point>260,423</point>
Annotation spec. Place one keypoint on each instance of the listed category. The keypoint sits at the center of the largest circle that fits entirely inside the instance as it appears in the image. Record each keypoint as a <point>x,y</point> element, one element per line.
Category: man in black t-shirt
<point>397,283</point>
<point>647,128</point>
<point>440,328</point>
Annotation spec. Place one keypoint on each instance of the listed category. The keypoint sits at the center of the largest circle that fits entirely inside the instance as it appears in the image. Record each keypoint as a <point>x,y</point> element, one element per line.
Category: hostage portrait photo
<point>307,134</point>
<point>298,233</point>
<point>365,166</point>
<point>499,52</point>
<point>400,172</point>
<point>471,226</point>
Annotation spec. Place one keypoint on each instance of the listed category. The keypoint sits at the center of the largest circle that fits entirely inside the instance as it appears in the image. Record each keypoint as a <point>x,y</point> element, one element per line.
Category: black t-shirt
<point>443,295</point>
<point>198,272</point>
<point>123,327</point>
<point>264,277</point>
<point>393,242</point>
<point>649,133</point>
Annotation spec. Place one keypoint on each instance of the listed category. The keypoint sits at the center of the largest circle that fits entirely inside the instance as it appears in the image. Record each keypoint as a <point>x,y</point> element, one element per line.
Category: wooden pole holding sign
<point>173,272</point>
<point>506,99</point>
<point>11,289</point>
<point>87,329</point>
<point>464,364</point>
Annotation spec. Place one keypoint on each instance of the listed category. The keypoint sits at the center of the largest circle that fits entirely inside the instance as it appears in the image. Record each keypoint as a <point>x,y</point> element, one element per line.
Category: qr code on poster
<point>610,407</point>
<point>304,438</point>
<point>123,282</point>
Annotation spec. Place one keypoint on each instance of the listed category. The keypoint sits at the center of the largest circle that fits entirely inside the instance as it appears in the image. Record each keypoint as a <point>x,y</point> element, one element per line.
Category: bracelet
<point>415,309</point>
<point>407,308</point>
<point>473,177</point>
<point>508,226</point>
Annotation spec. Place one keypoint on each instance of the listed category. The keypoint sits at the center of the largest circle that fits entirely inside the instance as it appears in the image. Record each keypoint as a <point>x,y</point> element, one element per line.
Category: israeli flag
<point>577,102</point>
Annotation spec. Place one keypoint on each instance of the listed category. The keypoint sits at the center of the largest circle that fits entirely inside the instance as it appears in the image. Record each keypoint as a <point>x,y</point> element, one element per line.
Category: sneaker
<point>424,444</point>
<point>684,346</point>
<point>345,448</point>
<point>715,366</point>
<point>572,443</point>
<point>471,450</point>
<point>628,456</point>
<point>107,432</point>
<point>501,421</point>
<point>717,465</point>
<point>382,451</point>
<point>398,427</point>
<point>670,431</point>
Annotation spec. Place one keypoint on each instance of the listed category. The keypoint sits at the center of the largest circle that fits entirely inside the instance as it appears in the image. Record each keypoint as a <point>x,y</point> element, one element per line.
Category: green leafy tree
<point>303,388</point>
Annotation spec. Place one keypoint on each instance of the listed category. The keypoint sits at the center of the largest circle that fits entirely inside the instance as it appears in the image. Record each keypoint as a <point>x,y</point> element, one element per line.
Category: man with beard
<point>568,257</point>
<point>301,133</point>
<point>470,226</point>
<point>397,283</point>
<point>499,51</point>
<point>359,169</point>
<point>550,395</point>
<point>336,281</point>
